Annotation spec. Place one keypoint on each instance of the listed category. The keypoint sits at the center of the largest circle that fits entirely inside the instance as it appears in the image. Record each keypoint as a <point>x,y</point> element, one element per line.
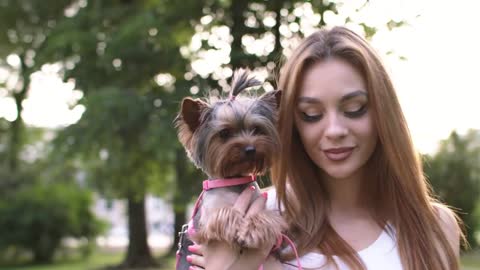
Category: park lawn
<point>95,261</point>
<point>470,261</point>
<point>98,260</point>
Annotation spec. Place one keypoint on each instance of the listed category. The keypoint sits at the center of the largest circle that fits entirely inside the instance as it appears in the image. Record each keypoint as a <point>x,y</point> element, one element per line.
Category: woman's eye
<point>356,111</point>
<point>310,117</point>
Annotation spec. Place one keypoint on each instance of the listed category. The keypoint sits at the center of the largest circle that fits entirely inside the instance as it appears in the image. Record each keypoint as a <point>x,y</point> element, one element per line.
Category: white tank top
<point>380,255</point>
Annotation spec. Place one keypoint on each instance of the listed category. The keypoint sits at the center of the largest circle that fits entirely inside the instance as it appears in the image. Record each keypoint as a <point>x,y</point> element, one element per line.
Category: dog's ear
<point>273,98</point>
<point>191,112</point>
<point>188,120</point>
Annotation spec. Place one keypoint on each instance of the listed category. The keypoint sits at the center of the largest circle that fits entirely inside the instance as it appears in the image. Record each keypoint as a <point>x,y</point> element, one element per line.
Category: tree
<point>258,34</point>
<point>125,56</point>
<point>24,29</point>
<point>454,172</point>
<point>120,142</point>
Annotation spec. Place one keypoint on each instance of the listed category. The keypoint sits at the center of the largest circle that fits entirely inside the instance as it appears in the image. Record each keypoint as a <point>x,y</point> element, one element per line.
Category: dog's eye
<point>224,133</point>
<point>257,130</point>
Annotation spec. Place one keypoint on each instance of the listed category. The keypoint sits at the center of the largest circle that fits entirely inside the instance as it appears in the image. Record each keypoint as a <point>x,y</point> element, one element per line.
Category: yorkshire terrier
<point>232,140</point>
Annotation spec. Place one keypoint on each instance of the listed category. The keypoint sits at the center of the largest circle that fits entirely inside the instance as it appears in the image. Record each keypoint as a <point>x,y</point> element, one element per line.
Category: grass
<point>470,261</point>
<point>96,261</point>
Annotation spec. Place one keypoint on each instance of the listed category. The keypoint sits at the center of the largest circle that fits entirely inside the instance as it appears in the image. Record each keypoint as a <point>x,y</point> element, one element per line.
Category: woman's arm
<point>223,257</point>
<point>449,224</point>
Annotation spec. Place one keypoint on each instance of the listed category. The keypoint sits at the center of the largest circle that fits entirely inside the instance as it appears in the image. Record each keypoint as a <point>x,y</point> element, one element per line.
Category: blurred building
<point>160,220</point>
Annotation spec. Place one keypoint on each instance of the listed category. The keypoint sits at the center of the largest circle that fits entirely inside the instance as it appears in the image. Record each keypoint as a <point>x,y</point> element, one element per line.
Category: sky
<point>434,67</point>
<point>439,83</point>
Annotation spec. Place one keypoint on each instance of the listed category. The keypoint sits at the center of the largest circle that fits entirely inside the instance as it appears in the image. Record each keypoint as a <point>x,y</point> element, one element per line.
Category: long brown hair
<point>398,192</point>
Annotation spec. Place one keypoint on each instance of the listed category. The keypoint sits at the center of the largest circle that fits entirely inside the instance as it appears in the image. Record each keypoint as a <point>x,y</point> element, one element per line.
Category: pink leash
<point>291,244</point>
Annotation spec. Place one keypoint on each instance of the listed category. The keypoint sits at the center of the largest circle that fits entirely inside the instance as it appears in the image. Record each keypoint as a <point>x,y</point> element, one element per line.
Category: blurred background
<point>91,173</point>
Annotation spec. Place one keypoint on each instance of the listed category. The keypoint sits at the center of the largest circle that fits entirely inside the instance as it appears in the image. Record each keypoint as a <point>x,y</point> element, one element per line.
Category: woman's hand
<point>220,255</point>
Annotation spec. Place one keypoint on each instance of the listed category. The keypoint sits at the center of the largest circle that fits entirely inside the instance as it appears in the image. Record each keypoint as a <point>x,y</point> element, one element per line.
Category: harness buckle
<point>181,235</point>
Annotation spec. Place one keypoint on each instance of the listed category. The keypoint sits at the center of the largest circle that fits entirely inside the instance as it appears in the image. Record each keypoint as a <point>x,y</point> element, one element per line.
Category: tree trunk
<point>44,248</point>
<point>15,135</point>
<point>17,125</point>
<point>237,29</point>
<point>277,6</point>
<point>138,254</point>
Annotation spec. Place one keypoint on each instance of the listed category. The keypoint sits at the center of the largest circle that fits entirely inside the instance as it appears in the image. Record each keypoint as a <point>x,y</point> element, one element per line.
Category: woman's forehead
<point>331,77</point>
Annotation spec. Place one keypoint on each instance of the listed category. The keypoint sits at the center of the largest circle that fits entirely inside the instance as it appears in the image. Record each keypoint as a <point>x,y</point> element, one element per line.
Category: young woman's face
<point>334,120</point>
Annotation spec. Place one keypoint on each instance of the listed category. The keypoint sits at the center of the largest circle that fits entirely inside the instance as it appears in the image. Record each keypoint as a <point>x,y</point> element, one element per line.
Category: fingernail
<point>192,249</point>
<point>252,187</point>
<point>265,195</point>
<point>191,268</point>
<point>189,259</point>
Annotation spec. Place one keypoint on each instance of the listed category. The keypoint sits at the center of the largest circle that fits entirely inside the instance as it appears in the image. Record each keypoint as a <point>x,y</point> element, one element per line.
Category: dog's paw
<point>222,226</point>
<point>261,230</point>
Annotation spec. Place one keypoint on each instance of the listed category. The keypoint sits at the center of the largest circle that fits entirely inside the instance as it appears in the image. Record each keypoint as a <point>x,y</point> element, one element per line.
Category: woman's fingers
<point>196,260</point>
<point>258,205</point>
<point>243,200</point>
<point>220,255</point>
<point>196,249</point>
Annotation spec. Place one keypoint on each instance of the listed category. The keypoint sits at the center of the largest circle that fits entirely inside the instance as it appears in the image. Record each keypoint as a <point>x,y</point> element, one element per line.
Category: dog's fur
<point>227,138</point>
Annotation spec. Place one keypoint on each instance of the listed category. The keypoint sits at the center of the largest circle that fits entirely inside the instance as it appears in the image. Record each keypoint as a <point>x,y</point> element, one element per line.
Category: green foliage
<point>123,44</point>
<point>122,141</point>
<point>454,172</point>
<point>113,50</point>
<point>38,217</point>
<point>24,28</point>
<point>25,24</point>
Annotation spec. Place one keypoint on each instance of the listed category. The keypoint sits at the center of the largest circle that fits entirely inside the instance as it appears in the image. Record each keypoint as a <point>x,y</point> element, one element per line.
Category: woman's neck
<point>346,198</point>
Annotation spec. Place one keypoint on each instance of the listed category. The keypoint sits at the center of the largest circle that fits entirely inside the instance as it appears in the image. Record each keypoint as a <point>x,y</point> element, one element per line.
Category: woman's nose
<point>335,128</point>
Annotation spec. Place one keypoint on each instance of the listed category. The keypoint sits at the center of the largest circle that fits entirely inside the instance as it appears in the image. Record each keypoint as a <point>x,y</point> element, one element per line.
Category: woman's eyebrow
<point>353,94</point>
<point>309,100</point>
<point>313,100</point>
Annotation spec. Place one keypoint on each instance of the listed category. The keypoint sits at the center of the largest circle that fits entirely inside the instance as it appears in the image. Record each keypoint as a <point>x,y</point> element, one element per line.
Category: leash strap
<point>291,244</point>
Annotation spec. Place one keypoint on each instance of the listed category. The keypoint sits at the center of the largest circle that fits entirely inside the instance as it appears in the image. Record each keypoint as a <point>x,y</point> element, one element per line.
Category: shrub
<point>38,217</point>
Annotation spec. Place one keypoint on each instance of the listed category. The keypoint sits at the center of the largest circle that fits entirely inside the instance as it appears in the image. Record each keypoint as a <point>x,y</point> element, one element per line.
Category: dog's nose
<point>250,150</point>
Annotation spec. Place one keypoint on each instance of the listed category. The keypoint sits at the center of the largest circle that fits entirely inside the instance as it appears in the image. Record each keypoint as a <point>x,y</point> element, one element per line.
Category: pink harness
<point>219,183</point>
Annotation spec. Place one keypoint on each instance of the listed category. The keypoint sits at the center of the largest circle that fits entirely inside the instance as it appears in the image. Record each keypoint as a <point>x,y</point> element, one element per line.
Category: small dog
<point>230,139</point>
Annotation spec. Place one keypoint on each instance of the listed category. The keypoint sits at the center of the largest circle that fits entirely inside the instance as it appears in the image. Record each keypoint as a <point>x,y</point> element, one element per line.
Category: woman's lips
<point>338,154</point>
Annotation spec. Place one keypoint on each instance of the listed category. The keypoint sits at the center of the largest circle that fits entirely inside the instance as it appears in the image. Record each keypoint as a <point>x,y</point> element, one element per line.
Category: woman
<point>349,181</point>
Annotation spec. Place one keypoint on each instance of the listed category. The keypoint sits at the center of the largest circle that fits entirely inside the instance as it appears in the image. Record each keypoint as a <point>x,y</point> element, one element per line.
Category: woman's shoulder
<point>450,225</point>
<point>445,215</point>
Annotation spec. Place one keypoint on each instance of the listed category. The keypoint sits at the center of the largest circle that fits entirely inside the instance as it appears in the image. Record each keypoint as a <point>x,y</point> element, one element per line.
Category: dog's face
<point>230,137</point>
